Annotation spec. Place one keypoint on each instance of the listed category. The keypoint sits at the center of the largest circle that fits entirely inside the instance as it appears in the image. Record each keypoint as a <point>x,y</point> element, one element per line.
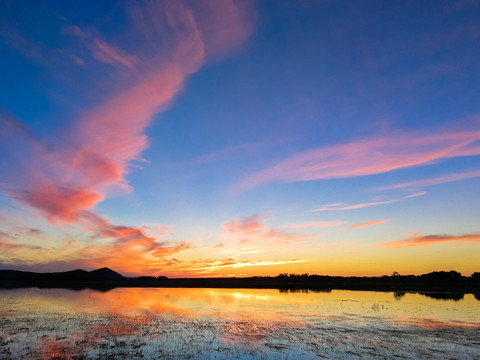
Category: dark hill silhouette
<point>105,274</point>
<point>444,284</point>
<point>17,274</point>
<point>73,278</point>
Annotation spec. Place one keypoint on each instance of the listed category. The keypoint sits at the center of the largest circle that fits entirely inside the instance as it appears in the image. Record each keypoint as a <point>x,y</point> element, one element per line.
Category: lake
<point>181,323</point>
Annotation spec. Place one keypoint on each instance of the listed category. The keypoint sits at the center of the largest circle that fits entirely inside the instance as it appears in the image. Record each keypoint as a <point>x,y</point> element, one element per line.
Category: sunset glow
<point>223,138</point>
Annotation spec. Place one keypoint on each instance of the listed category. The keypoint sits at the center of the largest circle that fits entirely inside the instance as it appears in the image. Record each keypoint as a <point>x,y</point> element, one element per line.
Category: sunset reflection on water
<point>176,322</point>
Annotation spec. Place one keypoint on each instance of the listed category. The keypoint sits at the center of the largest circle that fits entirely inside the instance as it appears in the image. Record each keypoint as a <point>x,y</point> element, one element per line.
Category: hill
<point>73,278</point>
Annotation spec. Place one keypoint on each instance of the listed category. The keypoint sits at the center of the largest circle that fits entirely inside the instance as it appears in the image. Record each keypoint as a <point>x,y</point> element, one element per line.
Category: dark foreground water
<point>235,324</point>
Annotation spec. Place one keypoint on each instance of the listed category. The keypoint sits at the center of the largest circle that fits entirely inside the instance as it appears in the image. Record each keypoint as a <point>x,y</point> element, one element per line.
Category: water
<point>139,323</point>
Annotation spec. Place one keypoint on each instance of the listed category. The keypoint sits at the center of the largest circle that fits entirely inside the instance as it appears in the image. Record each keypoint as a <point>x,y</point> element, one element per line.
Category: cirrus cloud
<point>245,224</point>
<point>434,181</point>
<point>64,177</point>
<point>425,240</point>
<point>366,224</point>
<point>375,155</point>
<point>342,207</point>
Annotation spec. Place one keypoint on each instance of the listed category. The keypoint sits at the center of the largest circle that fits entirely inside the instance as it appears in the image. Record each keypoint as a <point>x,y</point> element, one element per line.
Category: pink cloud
<point>252,237</point>
<point>65,179</point>
<point>422,193</point>
<point>314,224</point>
<point>101,50</point>
<point>112,55</point>
<point>7,246</point>
<point>366,224</point>
<point>341,207</point>
<point>245,224</point>
<point>223,24</point>
<point>435,180</point>
<point>284,237</point>
<point>371,156</point>
<point>125,236</point>
<point>425,240</point>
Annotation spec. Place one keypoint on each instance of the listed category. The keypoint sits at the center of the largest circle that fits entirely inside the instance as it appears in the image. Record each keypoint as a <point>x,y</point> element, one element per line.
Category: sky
<point>240,138</point>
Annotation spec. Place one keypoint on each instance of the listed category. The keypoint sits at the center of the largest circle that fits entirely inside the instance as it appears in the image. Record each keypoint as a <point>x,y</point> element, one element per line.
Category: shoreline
<point>444,289</point>
<point>105,278</point>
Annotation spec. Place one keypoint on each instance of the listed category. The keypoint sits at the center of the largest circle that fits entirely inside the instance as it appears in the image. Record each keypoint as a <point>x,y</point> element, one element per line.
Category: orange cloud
<point>130,246</point>
<point>419,240</point>
<point>206,267</point>
<point>366,224</point>
<point>375,155</point>
<point>341,207</point>
<point>127,249</point>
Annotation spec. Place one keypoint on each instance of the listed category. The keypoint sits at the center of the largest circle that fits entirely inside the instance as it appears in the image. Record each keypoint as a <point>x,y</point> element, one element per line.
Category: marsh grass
<point>29,333</point>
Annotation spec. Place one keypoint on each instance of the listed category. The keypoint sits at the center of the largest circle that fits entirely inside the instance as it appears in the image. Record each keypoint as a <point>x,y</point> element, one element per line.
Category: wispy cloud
<point>366,224</point>
<point>372,156</point>
<point>314,224</point>
<point>425,240</point>
<point>245,224</point>
<point>9,245</point>
<point>434,181</point>
<point>206,267</point>
<point>7,235</point>
<point>265,263</point>
<point>34,51</point>
<point>422,193</point>
<point>21,232</point>
<point>64,179</point>
<point>341,207</point>
<point>249,235</point>
<point>130,245</point>
<point>103,51</point>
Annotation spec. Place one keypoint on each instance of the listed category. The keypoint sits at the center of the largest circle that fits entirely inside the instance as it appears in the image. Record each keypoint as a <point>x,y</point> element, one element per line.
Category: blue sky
<point>223,138</point>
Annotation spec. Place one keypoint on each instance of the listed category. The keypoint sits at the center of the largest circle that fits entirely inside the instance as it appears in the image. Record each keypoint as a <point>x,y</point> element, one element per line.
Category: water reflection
<point>233,323</point>
<point>305,291</point>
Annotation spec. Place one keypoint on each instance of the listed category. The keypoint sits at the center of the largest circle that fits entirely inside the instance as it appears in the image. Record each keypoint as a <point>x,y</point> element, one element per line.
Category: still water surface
<point>162,323</point>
